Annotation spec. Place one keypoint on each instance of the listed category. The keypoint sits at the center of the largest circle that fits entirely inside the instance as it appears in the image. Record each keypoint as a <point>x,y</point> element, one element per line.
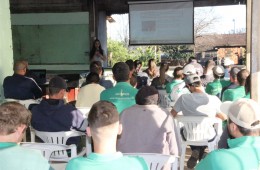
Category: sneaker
<point>192,162</point>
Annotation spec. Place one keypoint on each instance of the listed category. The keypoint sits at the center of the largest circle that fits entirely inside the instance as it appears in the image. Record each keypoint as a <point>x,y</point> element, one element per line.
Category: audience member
<point>198,67</point>
<point>20,87</point>
<point>138,66</point>
<point>161,81</point>
<point>244,150</point>
<point>207,76</point>
<point>103,128</point>
<point>151,71</point>
<point>97,53</point>
<point>248,87</point>
<point>133,79</point>
<point>215,87</point>
<point>96,67</point>
<point>239,91</point>
<point>53,115</point>
<point>188,104</point>
<point>14,120</point>
<point>147,127</point>
<point>90,93</point>
<point>123,94</point>
<point>228,63</point>
<point>233,80</point>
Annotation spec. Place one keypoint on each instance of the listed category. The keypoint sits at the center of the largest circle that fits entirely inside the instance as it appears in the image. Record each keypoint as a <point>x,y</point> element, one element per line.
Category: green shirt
<point>14,157</point>
<point>234,94</point>
<point>244,154</point>
<point>169,86</point>
<point>122,95</point>
<point>114,161</point>
<point>216,86</point>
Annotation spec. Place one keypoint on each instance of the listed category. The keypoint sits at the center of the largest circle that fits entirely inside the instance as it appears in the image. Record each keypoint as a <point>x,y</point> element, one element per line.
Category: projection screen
<point>161,22</point>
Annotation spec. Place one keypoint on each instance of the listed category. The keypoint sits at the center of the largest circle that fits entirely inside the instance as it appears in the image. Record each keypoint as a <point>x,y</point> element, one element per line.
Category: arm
<point>173,112</point>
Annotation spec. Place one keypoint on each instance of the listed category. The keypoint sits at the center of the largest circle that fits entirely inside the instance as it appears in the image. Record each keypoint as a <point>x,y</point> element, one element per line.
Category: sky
<point>227,18</point>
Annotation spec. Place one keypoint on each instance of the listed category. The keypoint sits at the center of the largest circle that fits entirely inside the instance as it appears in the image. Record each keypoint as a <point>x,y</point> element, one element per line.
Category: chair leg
<point>182,158</point>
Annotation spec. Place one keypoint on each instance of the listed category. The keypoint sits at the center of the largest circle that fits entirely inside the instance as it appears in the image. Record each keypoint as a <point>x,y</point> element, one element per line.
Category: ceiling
<point>110,6</point>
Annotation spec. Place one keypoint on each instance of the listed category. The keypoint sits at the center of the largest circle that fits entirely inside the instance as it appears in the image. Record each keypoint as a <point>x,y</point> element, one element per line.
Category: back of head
<point>192,59</point>
<point>137,62</point>
<point>218,71</point>
<point>95,67</point>
<point>233,72</point>
<point>178,73</point>
<point>130,64</point>
<point>193,80</point>
<point>56,84</point>
<point>147,95</point>
<point>12,115</point>
<point>121,72</point>
<point>102,114</point>
<point>92,78</point>
<point>19,66</point>
<point>245,113</point>
<point>241,77</point>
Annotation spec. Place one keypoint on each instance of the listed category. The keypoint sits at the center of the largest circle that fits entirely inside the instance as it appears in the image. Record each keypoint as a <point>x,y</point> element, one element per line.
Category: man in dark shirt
<point>20,87</point>
<point>53,115</point>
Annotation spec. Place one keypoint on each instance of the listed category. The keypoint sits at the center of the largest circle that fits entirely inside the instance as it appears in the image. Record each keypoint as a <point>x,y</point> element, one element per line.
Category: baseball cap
<point>192,78</point>
<point>245,113</point>
<point>228,62</point>
<point>189,69</point>
<point>218,70</point>
<point>58,82</point>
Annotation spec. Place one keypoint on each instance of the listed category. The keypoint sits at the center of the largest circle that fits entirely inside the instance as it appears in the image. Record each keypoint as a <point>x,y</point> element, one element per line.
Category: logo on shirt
<point>122,93</point>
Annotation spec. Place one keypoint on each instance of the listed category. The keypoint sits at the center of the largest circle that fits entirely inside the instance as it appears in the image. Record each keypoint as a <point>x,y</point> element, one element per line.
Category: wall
<point>6,53</point>
<point>51,38</point>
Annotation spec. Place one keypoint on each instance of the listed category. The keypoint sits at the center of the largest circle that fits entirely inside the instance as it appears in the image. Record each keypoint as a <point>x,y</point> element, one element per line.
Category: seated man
<point>90,93</point>
<point>233,80</point>
<point>147,127</point>
<point>20,87</point>
<point>188,104</point>
<point>53,115</point>
<point>123,94</point>
<point>104,127</point>
<point>244,148</point>
<point>215,87</point>
<point>239,91</point>
<point>14,119</point>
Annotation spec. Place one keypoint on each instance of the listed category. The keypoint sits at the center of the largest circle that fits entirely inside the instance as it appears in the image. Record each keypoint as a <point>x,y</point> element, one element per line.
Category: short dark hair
<point>178,72</point>
<point>241,77</point>
<point>191,59</point>
<point>121,72</point>
<point>196,84</point>
<point>102,113</point>
<point>130,64</point>
<point>147,95</point>
<point>92,78</point>
<point>12,115</point>
<point>245,131</point>
<point>95,67</point>
<point>137,62</point>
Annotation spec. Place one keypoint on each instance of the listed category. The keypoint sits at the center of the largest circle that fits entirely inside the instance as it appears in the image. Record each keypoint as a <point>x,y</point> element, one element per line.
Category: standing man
<point>20,87</point>
<point>104,127</point>
<point>244,149</point>
<point>14,120</point>
<point>122,95</point>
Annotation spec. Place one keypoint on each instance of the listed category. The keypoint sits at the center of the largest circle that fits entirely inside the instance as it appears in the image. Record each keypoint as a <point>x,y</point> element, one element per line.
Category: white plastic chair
<point>26,103</point>
<point>164,100</point>
<point>157,161</point>
<point>197,129</point>
<point>54,150</point>
<point>61,138</point>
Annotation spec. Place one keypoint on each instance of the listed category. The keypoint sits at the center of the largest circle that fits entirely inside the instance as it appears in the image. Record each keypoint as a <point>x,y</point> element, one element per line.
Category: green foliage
<point>144,53</point>
<point>177,51</point>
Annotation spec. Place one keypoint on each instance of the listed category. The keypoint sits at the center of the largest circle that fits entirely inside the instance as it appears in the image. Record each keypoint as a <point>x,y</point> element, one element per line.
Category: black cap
<point>58,82</point>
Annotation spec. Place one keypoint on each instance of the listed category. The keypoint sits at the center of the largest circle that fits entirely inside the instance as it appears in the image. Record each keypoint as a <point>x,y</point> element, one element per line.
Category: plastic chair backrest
<point>197,127</point>
<point>48,149</point>
<point>84,110</point>
<point>157,161</point>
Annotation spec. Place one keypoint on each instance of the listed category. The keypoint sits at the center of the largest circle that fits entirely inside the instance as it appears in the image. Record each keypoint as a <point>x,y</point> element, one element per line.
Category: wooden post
<point>255,52</point>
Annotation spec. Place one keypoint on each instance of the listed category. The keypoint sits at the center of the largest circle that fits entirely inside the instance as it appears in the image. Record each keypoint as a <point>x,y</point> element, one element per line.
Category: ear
<point>120,128</point>
<point>88,132</point>
<point>20,132</point>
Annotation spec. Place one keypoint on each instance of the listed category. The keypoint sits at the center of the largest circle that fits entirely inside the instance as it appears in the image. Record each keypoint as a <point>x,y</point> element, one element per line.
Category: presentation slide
<point>161,23</point>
